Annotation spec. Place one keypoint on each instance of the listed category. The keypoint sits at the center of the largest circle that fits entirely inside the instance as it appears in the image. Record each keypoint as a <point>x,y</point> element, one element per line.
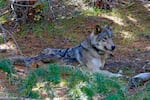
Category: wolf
<point>92,52</point>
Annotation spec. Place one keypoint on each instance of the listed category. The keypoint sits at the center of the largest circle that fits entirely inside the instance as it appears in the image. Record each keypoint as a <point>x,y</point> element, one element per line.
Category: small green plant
<point>7,66</point>
<point>143,94</point>
<point>1,40</point>
<point>3,19</point>
<point>96,11</point>
<point>2,3</point>
<point>38,28</point>
<point>80,84</point>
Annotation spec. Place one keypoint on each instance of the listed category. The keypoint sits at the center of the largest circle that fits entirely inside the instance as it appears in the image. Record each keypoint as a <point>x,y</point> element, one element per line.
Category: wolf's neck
<point>100,52</point>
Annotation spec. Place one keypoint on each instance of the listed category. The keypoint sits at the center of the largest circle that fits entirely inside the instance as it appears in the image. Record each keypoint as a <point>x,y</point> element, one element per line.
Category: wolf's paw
<point>120,75</point>
<point>110,74</point>
<point>117,75</point>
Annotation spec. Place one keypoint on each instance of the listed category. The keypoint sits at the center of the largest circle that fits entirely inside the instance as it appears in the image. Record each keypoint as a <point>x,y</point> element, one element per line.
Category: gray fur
<point>92,52</point>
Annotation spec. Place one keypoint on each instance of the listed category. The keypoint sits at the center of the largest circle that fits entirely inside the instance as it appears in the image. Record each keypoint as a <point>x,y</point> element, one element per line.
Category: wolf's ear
<point>97,30</point>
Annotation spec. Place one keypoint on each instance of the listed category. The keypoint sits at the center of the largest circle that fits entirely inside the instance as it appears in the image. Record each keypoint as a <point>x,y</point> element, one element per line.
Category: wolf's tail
<point>21,60</point>
<point>27,61</point>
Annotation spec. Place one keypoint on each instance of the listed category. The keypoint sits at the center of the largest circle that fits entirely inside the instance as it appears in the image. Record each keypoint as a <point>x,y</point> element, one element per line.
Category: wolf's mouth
<point>104,50</point>
<point>108,50</point>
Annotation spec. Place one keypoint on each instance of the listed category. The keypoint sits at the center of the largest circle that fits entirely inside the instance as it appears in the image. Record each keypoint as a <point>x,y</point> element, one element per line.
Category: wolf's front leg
<point>96,69</point>
<point>94,66</point>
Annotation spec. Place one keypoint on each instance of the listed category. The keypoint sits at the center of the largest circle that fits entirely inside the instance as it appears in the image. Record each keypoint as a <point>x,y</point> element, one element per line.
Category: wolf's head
<point>101,38</point>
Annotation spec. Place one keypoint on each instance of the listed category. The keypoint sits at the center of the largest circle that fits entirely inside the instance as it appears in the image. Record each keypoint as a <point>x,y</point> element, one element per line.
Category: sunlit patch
<point>82,4</point>
<point>8,46</point>
<point>1,34</point>
<point>2,19</point>
<point>147,48</point>
<point>127,35</point>
<point>132,19</point>
<point>57,92</point>
<point>114,19</point>
<point>38,86</point>
<point>1,88</point>
<point>147,6</point>
<point>77,89</point>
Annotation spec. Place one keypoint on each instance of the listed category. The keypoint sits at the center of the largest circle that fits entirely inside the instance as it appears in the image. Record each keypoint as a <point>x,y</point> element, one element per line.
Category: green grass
<point>1,40</point>
<point>79,84</point>
<point>134,17</point>
<point>2,3</point>
<point>65,28</point>
<point>3,19</point>
<point>38,28</point>
<point>6,66</point>
<point>95,11</point>
<point>130,30</point>
<point>143,94</point>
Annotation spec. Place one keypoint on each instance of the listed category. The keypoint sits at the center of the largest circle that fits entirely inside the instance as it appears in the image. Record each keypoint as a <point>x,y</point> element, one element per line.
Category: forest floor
<point>132,39</point>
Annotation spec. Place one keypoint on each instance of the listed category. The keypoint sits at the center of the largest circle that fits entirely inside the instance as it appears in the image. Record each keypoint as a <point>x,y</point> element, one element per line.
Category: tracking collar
<point>101,52</point>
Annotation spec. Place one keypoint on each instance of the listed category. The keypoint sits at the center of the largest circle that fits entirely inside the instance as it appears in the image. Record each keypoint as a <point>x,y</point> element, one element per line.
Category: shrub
<point>80,84</point>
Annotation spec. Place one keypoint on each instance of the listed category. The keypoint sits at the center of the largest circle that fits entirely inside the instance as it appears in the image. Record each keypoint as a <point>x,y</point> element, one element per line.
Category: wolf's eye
<point>103,40</point>
<point>99,40</point>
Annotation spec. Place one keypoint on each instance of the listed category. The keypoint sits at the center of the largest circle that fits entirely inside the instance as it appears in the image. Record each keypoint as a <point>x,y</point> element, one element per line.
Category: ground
<point>131,56</point>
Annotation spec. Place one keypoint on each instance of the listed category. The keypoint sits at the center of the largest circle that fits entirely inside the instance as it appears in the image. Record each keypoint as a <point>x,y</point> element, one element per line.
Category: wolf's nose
<point>113,47</point>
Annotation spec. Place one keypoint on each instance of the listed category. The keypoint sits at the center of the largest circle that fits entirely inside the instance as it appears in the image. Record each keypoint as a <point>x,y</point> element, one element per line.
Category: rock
<point>139,79</point>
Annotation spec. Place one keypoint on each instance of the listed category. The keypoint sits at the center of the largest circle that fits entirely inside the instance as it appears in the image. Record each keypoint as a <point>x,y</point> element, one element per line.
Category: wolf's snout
<point>113,47</point>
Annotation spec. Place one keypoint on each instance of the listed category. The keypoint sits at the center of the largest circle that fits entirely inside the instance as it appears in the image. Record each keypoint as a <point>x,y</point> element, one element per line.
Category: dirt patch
<point>130,59</point>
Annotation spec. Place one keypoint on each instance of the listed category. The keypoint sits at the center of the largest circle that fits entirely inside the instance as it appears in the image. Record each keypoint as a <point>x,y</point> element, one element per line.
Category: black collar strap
<point>101,52</point>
